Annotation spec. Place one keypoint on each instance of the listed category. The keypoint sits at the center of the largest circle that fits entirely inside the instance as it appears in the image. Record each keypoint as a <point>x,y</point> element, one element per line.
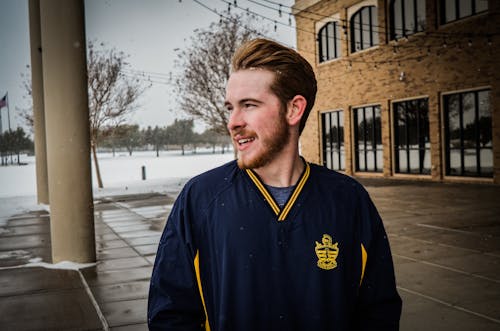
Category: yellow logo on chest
<point>327,253</point>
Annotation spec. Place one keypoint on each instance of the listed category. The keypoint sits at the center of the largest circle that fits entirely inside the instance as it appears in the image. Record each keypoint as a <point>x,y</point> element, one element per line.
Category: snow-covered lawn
<point>121,174</point>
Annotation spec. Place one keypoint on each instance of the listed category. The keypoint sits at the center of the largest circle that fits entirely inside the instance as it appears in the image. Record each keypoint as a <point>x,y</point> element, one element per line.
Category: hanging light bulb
<point>279,11</point>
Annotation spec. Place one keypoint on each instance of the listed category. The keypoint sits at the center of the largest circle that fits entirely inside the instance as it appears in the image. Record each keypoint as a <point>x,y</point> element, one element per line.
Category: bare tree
<point>205,68</point>
<point>112,94</point>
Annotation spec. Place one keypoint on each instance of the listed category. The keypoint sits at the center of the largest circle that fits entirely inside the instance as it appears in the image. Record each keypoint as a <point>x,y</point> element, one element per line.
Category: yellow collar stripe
<point>282,214</point>
<point>264,191</point>
<point>295,194</point>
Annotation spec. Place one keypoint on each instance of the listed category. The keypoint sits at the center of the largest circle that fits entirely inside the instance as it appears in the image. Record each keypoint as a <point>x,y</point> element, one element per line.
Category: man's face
<point>257,123</point>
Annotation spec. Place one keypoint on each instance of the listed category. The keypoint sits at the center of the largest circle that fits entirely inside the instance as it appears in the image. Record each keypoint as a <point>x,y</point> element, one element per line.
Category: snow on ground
<point>121,174</point>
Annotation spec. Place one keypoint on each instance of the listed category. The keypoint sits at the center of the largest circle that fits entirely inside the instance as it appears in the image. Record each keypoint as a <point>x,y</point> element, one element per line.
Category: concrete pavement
<point>444,239</point>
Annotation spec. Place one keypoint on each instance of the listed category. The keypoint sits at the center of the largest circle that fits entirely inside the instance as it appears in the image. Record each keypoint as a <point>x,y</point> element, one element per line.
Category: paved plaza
<point>445,240</point>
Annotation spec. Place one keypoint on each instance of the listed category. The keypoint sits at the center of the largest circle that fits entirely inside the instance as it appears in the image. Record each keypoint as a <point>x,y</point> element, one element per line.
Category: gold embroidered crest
<point>327,253</point>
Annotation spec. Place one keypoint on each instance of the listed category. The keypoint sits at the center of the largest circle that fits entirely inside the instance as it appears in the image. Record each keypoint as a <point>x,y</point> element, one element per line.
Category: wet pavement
<point>445,240</point>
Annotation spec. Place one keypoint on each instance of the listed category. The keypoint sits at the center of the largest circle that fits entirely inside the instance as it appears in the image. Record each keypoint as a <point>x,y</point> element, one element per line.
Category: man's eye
<point>249,105</point>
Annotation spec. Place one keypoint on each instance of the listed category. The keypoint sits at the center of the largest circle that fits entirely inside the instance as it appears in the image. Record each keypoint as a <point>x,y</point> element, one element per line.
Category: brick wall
<point>459,56</point>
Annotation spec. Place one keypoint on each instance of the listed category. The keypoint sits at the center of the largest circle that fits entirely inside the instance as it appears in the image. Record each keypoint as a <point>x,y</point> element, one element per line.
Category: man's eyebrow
<point>242,101</point>
<point>249,100</point>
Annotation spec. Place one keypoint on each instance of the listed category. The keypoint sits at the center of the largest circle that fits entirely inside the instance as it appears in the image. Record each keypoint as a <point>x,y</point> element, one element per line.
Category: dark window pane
<point>469,151</point>
<point>421,21</point>
<point>450,10</point>
<point>366,28</point>
<point>333,154</point>
<point>486,157</point>
<point>410,24</point>
<point>397,19</point>
<point>484,119</point>
<point>378,127</point>
<point>330,41</point>
<point>357,32</point>
<point>341,128</point>
<point>470,161</point>
<point>323,45</point>
<point>337,41</point>
<point>468,121</point>
<point>361,125</point>
<point>455,162</point>
<point>464,8</point>
<point>413,149</point>
<point>368,126</point>
<point>481,5</point>
<point>454,120</point>
<point>369,152</point>
<point>374,25</point>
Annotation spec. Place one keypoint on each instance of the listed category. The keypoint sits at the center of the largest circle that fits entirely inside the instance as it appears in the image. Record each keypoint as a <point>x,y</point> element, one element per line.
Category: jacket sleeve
<point>379,304</point>
<point>174,301</point>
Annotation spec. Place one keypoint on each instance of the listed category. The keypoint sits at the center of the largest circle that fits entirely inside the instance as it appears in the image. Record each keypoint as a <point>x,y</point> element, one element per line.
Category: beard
<point>271,146</point>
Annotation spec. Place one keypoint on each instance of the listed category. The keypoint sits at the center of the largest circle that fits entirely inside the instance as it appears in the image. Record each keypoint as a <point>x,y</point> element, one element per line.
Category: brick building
<point>406,88</point>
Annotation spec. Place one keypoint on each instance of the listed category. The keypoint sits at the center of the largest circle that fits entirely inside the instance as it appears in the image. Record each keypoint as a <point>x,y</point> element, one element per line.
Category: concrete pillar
<point>67,129</point>
<point>42,185</point>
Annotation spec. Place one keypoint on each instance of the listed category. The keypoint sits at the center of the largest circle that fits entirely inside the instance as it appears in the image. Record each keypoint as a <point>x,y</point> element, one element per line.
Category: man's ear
<point>295,110</point>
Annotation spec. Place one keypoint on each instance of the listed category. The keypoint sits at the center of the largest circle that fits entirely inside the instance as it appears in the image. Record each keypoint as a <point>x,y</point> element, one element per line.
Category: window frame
<point>335,39</point>
<point>373,28</point>
<point>479,174</point>
<point>393,35</point>
<point>375,136</point>
<point>395,148</point>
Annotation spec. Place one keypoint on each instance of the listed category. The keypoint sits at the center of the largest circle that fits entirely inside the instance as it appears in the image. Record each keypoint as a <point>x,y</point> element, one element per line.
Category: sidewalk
<point>445,240</point>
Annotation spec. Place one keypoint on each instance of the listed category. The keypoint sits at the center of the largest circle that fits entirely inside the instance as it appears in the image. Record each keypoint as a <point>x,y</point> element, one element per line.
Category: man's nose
<point>235,120</point>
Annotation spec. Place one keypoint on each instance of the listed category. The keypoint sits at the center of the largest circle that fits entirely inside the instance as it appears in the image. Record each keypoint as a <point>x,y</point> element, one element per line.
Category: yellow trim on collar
<point>282,214</point>
<point>264,191</point>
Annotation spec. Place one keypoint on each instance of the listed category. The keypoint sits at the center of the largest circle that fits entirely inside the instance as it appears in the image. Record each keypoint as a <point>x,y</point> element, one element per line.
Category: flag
<point>3,101</point>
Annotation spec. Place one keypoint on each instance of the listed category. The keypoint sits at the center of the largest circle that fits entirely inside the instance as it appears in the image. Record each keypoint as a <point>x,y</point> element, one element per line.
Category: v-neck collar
<point>281,213</point>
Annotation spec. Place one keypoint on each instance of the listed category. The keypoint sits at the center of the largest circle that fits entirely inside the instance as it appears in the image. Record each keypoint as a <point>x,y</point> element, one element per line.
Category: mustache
<point>241,132</point>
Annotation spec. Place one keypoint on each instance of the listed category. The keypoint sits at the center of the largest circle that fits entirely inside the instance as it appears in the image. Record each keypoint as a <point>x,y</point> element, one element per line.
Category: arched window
<point>364,28</point>
<point>407,17</point>
<point>329,41</point>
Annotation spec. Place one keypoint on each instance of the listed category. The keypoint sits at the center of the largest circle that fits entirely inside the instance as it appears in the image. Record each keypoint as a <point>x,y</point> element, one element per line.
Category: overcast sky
<point>147,30</point>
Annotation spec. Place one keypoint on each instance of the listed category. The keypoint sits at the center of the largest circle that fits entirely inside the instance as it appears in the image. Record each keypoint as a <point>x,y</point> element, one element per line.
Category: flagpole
<point>8,121</point>
<point>8,110</point>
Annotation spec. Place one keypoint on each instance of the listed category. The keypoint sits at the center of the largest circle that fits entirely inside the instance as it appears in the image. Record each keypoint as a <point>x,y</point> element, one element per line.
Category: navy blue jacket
<point>229,253</point>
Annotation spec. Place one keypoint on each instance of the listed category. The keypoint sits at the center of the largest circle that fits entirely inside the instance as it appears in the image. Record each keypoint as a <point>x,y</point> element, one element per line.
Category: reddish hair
<point>293,74</point>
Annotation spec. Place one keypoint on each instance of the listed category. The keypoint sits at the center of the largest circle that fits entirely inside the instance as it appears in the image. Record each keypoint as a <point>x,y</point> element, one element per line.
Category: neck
<point>283,171</point>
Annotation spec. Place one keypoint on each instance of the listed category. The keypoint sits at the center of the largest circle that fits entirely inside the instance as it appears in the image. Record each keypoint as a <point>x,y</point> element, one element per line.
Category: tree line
<point>12,144</point>
<point>179,135</point>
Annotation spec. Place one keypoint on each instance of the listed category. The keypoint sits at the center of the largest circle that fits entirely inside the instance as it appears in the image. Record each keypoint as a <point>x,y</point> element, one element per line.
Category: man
<point>271,242</point>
